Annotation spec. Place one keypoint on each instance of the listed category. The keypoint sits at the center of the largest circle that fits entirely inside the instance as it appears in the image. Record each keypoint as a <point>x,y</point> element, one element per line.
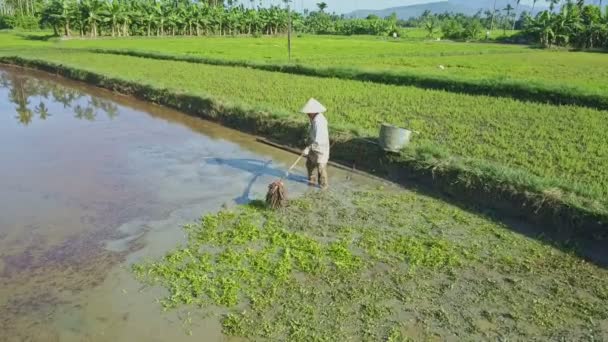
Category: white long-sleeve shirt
<point>319,138</point>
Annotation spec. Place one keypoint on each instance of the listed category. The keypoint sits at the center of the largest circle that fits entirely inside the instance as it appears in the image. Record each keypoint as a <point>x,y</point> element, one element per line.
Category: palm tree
<point>202,20</point>
<point>67,9</point>
<point>149,17</point>
<point>92,10</point>
<point>129,13</point>
<point>193,26</point>
<point>566,24</point>
<point>431,27</point>
<point>507,9</point>
<point>473,29</point>
<point>322,6</point>
<point>249,20</point>
<point>233,20</point>
<point>516,8</point>
<point>159,11</point>
<point>493,15</point>
<point>543,27</point>
<point>58,13</point>
<point>50,16</point>
<point>185,19</point>
<point>163,12</point>
<point>114,13</point>
<point>218,16</point>
<point>173,21</point>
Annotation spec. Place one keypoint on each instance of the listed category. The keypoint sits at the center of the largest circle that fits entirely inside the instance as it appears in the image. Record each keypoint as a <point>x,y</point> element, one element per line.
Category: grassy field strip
<point>587,71</point>
<point>582,70</point>
<point>561,70</point>
<point>304,49</point>
<point>355,58</point>
<point>430,79</point>
<point>550,202</point>
<point>476,68</point>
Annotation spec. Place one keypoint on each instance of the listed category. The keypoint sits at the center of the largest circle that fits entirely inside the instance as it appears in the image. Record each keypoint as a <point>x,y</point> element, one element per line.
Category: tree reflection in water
<point>22,89</point>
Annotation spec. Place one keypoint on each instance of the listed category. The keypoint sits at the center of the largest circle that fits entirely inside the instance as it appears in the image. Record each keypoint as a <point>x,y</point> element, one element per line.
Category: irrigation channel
<point>91,182</point>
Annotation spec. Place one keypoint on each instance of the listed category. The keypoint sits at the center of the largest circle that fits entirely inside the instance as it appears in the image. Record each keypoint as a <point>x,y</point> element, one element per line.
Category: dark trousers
<point>317,173</point>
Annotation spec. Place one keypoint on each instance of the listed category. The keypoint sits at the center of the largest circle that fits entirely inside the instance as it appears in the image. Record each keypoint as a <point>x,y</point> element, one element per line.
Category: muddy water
<point>91,182</point>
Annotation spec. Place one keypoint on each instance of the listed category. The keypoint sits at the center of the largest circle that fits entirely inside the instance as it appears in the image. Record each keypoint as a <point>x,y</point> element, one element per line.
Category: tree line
<point>95,18</point>
<point>576,24</point>
<point>564,23</point>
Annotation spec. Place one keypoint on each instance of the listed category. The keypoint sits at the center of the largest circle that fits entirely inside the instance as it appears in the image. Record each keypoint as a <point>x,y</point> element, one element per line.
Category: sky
<point>345,6</point>
<point>340,6</point>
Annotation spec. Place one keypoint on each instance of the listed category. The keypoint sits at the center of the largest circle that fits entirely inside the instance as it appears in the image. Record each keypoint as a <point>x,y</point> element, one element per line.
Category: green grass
<point>464,61</point>
<point>378,265</point>
<point>414,33</point>
<point>24,39</point>
<point>582,70</point>
<point>558,77</point>
<point>314,50</point>
<point>564,143</point>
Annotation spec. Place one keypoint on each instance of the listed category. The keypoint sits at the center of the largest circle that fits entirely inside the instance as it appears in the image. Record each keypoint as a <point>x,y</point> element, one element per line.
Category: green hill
<point>454,6</point>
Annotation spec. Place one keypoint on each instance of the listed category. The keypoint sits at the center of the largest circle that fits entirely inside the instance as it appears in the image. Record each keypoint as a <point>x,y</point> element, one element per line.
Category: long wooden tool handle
<point>294,165</point>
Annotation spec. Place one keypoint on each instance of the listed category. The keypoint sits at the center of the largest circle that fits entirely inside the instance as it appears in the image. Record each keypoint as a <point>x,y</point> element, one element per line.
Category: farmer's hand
<point>306,151</point>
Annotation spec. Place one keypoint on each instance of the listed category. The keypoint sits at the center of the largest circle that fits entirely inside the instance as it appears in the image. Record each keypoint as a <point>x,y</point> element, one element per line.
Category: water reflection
<point>30,96</point>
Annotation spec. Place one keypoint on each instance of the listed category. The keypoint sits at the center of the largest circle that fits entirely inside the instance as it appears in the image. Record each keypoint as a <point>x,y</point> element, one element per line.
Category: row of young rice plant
<point>469,61</point>
<point>569,70</point>
<point>566,143</point>
<point>19,39</point>
<point>306,49</point>
<point>476,68</point>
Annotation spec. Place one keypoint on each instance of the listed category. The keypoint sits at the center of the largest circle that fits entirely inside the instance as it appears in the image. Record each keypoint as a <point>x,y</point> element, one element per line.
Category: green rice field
<point>307,49</point>
<point>469,61</point>
<point>564,143</point>
<point>490,62</point>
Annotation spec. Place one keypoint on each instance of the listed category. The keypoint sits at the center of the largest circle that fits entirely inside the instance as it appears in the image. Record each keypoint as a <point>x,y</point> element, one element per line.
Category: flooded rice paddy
<point>91,182</point>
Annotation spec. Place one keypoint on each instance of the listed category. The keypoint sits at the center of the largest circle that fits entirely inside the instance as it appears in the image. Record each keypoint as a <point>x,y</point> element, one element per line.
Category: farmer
<point>317,152</point>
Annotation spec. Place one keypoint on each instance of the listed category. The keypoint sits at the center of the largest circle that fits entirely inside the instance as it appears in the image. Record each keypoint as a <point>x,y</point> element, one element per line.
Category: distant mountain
<point>469,7</point>
<point>406,12</point>
<point>484,5</point>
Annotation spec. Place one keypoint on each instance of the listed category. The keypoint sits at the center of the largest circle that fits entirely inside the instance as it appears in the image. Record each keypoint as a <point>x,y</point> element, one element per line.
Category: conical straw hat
<point>313,106</point>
